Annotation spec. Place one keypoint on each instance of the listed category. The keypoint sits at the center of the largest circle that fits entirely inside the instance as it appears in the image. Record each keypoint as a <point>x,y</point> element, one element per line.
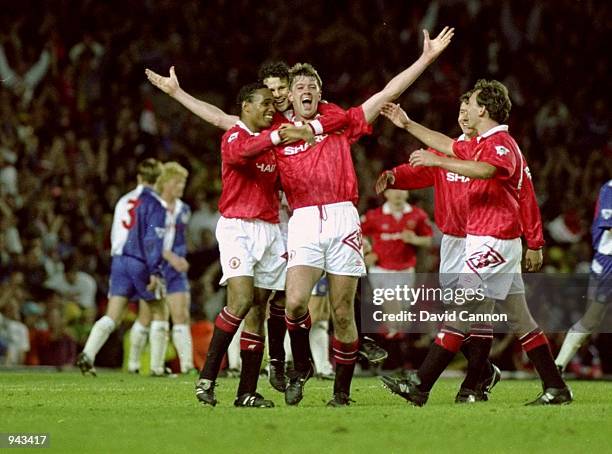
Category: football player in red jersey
<point>250,242</point>
<point>497,170</point>
<point>324,232</point>
<point>275,76</point>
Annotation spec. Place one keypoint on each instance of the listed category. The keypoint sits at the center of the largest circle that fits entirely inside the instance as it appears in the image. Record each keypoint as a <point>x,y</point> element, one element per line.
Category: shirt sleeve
<point>238,146</point>
<point>409,177</point>
<point>367,226</point>
<point>423,227</point>
<point>154,230</point>
<point>603,214</point>
<point>502,158</point>
<point>357,125</point>
<point>332,118</point>
<point>531,221</point>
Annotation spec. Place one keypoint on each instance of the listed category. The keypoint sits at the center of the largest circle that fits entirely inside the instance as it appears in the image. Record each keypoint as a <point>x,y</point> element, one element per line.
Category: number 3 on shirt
<point>133,205</point>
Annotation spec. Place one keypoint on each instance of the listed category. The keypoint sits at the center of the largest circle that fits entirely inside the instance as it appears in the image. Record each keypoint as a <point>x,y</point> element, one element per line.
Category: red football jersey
<point>531,220</point>
<point>249,175</point>
<point>450,193</point>
<point>385,230</point>
<point>493,204</point>
<point>323,173</point>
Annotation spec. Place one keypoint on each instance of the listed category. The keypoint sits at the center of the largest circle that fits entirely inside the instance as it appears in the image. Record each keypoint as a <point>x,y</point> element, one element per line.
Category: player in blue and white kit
<point>136,270</point>
<point>599,293</point>
<point>170,186</point>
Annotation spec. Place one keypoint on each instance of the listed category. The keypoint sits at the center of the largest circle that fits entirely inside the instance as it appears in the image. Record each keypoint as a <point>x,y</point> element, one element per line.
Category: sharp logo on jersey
<point>453,177</point>
<point>289,151</point>
<point>501,150</point>
<point>606,213</point>
<point>160,232</point>
<point>232,137</point>
<point>266,167</point>
<point>485,259</point>
<point>234,263</point>
<point>354,240</point>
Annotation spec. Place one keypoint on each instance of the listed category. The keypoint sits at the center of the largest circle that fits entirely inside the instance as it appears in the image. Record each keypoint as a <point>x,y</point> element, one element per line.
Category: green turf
<point>117,412</point>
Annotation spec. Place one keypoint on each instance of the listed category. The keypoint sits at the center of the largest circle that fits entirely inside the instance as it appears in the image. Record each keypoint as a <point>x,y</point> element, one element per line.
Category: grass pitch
<point>117,412</point>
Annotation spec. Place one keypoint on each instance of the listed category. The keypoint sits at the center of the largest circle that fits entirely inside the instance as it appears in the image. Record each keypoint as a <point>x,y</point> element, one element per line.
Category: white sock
<point>233,351</point>
<point>319,346</point>
<point>574,338</point>
<point>98,336</point>
<point>181,338</point>
<point>158,342</point>
<point>287,344</point>
<point>138,340</point>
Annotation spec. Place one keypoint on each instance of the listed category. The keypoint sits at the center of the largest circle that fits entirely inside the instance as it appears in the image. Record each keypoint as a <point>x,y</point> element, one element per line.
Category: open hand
<point>432,48</point>
<point>396,114</point>
<point>166,84</point>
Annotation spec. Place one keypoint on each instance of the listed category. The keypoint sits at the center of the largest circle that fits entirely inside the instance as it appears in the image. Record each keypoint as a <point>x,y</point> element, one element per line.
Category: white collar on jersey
<point>461,138</point>
<point>386,208</point>
<point>494,130</point>
<point>246,128</point>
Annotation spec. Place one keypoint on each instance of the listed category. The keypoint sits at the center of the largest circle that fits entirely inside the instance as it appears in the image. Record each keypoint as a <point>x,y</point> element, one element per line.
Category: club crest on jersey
<point>234,263</point>
<point>354,240</point>
<point>269,168</point>
<point>488,258</point>
<point>232,137</point>
<point>501,150</point>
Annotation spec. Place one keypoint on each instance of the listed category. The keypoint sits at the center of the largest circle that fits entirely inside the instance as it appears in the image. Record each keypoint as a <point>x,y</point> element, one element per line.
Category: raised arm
<point>472,169</point>
<point>396,86</point>
<point>207,112</point>
<point>432,139</point>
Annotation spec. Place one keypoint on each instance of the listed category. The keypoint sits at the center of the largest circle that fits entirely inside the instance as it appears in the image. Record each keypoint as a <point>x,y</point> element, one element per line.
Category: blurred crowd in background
<point>77,115</point>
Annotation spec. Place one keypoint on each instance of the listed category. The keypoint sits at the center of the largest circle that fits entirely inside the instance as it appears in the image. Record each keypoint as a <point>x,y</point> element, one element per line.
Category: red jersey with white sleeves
<point>386,229</point>
<point>531,220</point>
<point>322,173</point>
<point>493,204</point>
<point>249,174</point>
<point>450,193</point>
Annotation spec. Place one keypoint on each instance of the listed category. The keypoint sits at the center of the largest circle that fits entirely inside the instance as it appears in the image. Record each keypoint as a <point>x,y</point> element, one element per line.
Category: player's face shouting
<point>261,110</point>
<point>280,90</point>
<point>305,95</point>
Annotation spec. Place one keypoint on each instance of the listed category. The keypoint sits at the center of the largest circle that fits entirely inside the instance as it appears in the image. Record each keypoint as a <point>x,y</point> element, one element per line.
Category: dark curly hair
<point>247,91</point>
<point>493,95</point>
<point>278,69</point>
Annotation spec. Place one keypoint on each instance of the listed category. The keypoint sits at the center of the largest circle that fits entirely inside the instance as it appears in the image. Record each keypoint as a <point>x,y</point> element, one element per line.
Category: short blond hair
<point>304,70</point>
<point>170,170</point>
